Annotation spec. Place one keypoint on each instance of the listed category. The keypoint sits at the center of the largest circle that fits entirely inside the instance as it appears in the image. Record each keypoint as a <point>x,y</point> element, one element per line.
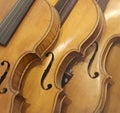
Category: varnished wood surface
<point>112,15</point>
<point>112,104</point>
<point>74,38</point>
<point>83,94</point>
<point>53,2</point>
<point>36,34</point>
<point>106,63</point>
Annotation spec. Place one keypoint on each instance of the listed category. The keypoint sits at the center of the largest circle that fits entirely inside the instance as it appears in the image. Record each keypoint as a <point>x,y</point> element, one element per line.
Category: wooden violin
<point>42,85</point>
<point>86,89</point>
<point>26,34</point>
<point>101,59</point>
<point>111,52</point>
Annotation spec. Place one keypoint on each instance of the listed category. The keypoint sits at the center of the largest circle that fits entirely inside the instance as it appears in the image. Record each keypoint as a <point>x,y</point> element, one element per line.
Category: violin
<point>26,34</point>
<point>83,82</point>
<point>42,84</point>
<point>101,93</point>
<point>112,56</point>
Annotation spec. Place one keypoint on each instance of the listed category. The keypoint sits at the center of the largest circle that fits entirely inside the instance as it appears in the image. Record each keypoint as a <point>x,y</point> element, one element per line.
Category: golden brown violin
<point>102,60</point>
<point>42,85</point>
<point>86,90</point>
<point>111,53</point>
<point>26,34</point>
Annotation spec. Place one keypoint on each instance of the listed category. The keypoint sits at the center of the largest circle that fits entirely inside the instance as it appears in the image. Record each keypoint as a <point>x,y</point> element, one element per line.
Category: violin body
<point>86,90</point>
<point>35,35</point>
<point>97,94</point>
<point>74,39</point>
<point>111,51</point>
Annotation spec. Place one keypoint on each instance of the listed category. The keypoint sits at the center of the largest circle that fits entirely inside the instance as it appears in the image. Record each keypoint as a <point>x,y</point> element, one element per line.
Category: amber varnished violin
<point>102,59</point>
<point>111,52</point>
<point>42,85</point>
<point>86,89</point>
<point>26,34</point>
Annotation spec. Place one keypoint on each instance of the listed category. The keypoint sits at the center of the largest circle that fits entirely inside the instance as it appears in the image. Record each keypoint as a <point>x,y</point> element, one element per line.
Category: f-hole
<point>2,78</point>
<point>96,74</point>
<point>49,86</point>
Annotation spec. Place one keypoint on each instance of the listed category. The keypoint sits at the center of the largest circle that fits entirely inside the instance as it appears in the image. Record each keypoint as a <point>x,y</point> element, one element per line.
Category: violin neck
<point>102,4</point>
<point>64,8</point>
<point>13,19</point>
